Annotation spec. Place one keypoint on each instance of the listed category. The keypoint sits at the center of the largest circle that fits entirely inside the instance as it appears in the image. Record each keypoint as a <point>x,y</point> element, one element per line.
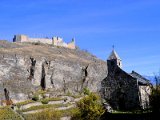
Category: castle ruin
<point>56,41</point>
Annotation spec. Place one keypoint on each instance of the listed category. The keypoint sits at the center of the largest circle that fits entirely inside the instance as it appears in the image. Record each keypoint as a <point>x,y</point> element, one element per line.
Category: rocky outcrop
<point>25,68</point>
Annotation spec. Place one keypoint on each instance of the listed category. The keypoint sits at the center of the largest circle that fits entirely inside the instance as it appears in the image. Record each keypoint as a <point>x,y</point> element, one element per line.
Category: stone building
<point>56,41</point>
<point>124,91</point>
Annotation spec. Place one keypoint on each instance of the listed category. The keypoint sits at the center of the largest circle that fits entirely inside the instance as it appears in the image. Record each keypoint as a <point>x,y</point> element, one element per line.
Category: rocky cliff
<point>25,68</point>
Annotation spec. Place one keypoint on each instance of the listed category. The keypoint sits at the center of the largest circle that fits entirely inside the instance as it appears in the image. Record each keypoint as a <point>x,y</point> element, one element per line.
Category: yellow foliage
<point>7,113</point>
<point>90,107</point>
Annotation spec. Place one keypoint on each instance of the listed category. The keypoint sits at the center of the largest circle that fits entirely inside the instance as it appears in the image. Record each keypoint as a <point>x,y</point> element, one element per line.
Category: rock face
<point>25,68</point>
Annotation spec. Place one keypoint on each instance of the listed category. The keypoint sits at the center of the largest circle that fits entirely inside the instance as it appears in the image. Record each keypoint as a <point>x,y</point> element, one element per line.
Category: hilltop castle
<point>122,90</point>
<point>56,41</point>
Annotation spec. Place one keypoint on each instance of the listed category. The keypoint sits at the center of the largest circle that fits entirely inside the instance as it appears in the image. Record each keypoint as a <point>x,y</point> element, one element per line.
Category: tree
<point>157,79</point>
<point>155,96</point>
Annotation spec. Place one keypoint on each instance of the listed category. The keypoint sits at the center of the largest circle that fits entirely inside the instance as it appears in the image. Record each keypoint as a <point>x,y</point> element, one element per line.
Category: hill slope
<point>25,68</point>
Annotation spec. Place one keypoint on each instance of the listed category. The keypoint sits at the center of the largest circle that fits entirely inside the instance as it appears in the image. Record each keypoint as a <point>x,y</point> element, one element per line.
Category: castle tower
<point>73,40</point>
<point>20,38</point>
<point>72,45</point>
<point>114,59</point>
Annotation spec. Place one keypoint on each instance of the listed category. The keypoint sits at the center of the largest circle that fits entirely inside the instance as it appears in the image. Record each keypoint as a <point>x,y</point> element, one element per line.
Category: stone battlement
<point>57,41</point>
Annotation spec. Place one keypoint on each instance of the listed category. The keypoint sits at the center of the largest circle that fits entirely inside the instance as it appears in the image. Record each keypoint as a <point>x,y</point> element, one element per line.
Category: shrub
<point>44,101</point>
<point>76,114</point>
<point>90,108</point>
<point>37,43</point>
<point>155,100</point>
<point>7,113</point>
<point>35,98</point>
<point>86,91</point>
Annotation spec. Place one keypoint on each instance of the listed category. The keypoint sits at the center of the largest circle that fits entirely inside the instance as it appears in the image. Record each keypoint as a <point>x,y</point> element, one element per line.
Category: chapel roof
<point>114,55</point>
<point>140,78</point>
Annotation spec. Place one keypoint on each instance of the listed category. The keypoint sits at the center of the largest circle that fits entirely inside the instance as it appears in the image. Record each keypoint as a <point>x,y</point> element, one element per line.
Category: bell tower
<point>114,59</point>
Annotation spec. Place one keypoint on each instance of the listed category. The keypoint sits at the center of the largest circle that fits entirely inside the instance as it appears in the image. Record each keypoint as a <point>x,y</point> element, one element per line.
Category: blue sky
<point>133,26</point>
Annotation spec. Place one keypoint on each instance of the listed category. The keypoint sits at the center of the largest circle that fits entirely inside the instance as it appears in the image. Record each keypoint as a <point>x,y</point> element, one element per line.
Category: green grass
<point>49,114</point>
<point>77,96</point>
<point>7,113</point>
<point>47,100</point>
<point>32,101</point>
<point>132,112</point>
<point>56,114</point>
<point>74,95</point>
<point>55,99</point>
<point>69,112</point>
<point>41,92</point>
<point>24,103</point>
<point>44,101</point>
<point>44,106</point>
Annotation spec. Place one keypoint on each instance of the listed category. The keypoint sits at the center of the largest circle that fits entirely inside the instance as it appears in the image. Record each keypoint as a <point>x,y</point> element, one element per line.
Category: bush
<point>90,108</point>
<point>86,91</point>
<point>155,100</point>
<point>35,98</point>
<point>37,43</point>
<point>44,101</point>
<point>7,113</point>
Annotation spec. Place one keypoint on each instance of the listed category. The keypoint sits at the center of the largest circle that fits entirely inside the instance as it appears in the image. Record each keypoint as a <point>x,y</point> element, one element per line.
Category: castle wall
<point>62,44</point>
<point>41,40</point>
<point>24,38</point>
<point>20,38</point>
<point>71,45</point>
<point>57,41</point>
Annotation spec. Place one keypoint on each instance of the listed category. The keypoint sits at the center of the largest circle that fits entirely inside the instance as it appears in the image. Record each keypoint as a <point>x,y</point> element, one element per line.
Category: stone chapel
<point>122,90</point>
